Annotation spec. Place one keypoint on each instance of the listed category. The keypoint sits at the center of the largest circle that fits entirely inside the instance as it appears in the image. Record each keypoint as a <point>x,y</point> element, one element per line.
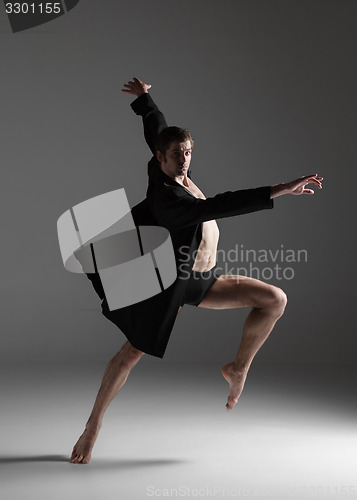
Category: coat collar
<point>159,176</point>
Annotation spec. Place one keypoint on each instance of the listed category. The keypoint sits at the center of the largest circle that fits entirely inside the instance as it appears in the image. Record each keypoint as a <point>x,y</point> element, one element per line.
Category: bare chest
<point>195,191</point>
<point>206,254</point>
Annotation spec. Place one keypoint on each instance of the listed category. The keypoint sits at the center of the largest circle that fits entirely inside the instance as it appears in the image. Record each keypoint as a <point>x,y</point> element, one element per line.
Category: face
<point>175,163</point>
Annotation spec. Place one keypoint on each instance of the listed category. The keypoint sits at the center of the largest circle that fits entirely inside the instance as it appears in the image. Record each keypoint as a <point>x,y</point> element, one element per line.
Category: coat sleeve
<point>153,119</point>
<point>175,209</point>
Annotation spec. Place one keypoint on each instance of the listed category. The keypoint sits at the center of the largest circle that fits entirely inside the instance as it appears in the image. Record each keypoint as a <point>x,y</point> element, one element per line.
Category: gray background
<point>267,89</point>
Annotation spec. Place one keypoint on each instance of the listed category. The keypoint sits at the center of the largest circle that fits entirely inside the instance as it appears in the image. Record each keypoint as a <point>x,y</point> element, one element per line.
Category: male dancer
<point>178,204</point>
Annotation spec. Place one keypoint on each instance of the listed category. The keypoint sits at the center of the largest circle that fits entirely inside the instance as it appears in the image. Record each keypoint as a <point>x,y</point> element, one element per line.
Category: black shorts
<point>198,286</point>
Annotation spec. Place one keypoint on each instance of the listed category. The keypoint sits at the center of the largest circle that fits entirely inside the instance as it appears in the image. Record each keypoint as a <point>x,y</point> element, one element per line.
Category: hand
<point>297,186</point>
<point>136,87</point>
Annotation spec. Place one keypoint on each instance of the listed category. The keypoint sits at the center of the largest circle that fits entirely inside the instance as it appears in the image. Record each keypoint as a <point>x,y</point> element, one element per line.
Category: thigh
<point>232,291</point>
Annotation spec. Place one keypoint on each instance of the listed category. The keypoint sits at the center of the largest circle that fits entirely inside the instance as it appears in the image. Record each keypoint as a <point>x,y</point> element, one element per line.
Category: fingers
<point>298,186</point>
<point>317,182</point>
<point>312,179</point>
<point>312,176</point>
<point>137,81</point>
<point>130,86</point>
<point>135,87</point>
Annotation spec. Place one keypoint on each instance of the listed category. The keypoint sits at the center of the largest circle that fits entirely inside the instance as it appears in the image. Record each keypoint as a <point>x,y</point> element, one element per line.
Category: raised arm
<point>153,119</point>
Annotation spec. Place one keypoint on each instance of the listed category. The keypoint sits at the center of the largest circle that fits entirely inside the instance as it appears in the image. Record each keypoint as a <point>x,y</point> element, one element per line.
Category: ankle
<point>93,426</point>
<point>239,368</point>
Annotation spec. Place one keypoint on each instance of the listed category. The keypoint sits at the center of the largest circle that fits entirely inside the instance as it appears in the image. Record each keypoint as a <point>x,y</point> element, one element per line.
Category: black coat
<point>148,324</point>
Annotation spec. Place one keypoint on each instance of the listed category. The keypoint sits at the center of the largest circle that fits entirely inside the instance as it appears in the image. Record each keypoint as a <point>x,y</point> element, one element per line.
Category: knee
<point>128,357</point>
<point>278,301</point>
<point>133,355</point>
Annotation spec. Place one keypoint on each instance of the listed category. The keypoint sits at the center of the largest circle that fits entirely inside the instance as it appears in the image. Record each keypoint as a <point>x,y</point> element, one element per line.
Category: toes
<point>79,459</point>
<point>76,459</point>
<point>231,402</point>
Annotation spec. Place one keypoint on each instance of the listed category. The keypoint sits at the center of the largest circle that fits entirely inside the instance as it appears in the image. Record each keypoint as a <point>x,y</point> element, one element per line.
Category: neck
<point>180,179</point>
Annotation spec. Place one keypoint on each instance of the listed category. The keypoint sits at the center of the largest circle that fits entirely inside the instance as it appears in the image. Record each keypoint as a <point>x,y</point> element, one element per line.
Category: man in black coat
<point>175,202</point>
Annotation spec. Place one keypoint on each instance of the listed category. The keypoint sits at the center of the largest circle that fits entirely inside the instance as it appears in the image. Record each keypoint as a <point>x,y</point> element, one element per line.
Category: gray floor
<point>293,433</point>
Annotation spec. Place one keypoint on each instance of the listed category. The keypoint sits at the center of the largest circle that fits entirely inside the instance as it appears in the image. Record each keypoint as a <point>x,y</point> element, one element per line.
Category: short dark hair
<point>172,134</point>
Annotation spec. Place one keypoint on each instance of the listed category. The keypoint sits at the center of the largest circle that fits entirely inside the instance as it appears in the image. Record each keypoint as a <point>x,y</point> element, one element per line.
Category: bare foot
<point>236,379</point>
<point>82,450</point>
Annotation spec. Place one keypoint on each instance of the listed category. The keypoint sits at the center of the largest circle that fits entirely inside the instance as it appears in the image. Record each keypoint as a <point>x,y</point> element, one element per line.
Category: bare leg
<point>114,378</point>
<point>257,328</point>
<point>268,304</point>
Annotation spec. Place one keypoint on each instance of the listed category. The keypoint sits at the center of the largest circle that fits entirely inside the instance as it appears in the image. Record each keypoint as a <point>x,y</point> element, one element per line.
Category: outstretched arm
<point>153,119</point>
<point>297,186</point>
<point>172,208</point>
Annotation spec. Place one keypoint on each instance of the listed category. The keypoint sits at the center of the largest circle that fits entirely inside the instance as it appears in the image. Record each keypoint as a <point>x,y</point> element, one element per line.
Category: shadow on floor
<point>96,464</point>
<point>36,458</point>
